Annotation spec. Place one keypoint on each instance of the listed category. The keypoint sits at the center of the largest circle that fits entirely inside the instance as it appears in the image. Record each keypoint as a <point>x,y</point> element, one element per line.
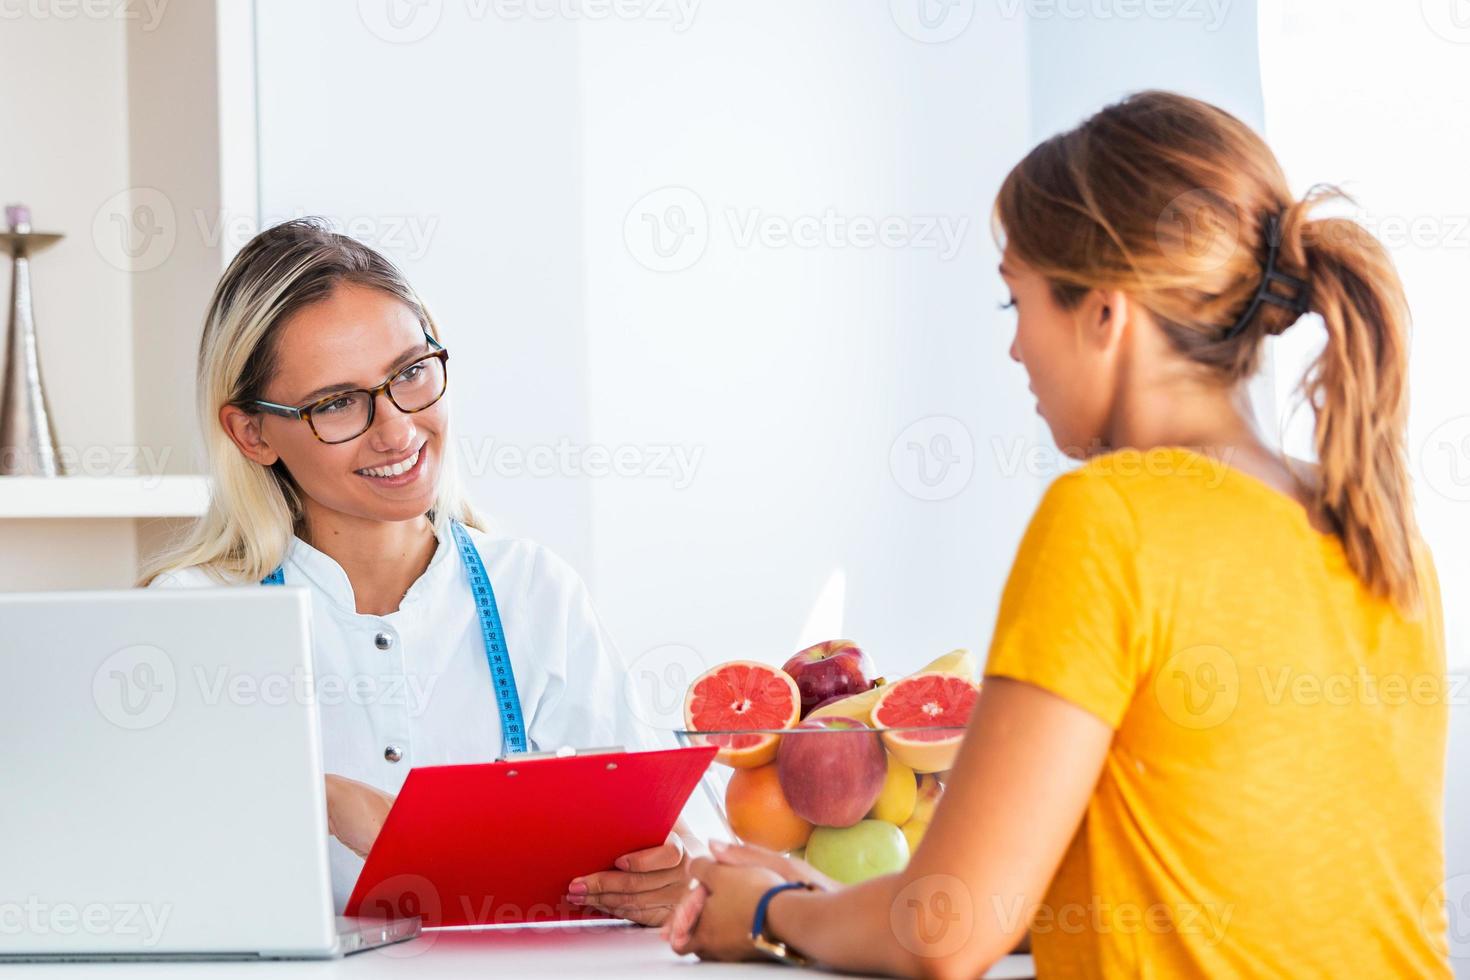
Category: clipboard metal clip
<point>565,752</point>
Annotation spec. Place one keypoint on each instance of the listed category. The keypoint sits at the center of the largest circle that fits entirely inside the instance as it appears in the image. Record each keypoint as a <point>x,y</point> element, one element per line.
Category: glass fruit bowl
<point>850,799</point>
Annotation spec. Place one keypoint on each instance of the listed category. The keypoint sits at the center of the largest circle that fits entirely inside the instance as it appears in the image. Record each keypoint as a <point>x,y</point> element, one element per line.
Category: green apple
<point>867,849</point>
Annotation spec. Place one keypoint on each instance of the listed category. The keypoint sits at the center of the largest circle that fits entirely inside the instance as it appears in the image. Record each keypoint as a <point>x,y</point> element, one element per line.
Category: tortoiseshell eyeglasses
<point>344,415</point>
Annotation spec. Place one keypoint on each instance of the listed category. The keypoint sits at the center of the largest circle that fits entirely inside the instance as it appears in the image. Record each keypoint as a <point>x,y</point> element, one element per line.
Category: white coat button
<point>393,753</point>
<point>383,641</point>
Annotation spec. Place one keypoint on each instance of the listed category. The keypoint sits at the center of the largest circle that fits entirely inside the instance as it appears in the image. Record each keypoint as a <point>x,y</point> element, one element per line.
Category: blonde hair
<point>1169,199</point>
<point>254,510</point>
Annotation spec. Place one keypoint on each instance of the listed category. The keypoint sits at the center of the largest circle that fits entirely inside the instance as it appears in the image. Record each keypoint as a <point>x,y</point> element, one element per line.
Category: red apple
<point>831,770</point>
<point>833,669</point>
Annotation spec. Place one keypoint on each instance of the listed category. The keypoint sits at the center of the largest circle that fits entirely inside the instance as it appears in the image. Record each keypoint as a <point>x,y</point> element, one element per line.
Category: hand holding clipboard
<point>497,843</point>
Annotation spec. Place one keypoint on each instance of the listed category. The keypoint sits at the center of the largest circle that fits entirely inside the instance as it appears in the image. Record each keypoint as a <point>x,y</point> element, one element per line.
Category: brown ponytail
<point>1358,389</point>
<point>1169,199</point>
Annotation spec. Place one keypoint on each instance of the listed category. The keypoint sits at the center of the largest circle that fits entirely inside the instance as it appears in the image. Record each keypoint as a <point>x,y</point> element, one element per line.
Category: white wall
<point>1204,48</point>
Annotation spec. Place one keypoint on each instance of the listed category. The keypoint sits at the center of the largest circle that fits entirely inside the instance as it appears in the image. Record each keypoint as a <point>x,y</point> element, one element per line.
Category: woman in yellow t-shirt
<point>1212,732</point>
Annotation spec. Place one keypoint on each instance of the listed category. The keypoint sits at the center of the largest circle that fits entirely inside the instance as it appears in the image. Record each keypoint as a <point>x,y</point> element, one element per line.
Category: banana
<point>960,663</point>
<point>856,707</point>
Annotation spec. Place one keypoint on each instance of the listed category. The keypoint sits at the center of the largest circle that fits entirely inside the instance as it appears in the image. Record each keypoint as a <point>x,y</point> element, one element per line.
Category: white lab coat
<point>417,680</point>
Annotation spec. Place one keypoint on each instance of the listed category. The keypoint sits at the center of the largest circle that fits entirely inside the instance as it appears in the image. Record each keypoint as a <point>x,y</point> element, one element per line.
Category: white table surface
<point>603,951</point>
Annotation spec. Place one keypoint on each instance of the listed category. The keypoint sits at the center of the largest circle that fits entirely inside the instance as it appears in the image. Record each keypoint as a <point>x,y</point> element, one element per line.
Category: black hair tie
<point>1297,302</point>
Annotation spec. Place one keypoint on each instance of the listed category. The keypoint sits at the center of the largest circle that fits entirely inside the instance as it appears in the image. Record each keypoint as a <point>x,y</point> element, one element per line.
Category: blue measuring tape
<point>502,676</point>
<point>512,724</point>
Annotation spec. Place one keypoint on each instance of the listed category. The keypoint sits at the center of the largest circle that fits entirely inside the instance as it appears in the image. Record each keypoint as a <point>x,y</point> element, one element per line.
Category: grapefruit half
<point>934,700</point>
<point>737,697</point>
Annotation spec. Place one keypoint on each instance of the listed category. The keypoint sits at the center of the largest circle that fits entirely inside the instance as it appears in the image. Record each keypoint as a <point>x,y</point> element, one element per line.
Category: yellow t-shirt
<point>1271,802</point>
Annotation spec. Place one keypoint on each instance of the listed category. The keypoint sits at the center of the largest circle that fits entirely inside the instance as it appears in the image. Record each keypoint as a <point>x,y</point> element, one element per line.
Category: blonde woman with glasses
<point>322,393</point>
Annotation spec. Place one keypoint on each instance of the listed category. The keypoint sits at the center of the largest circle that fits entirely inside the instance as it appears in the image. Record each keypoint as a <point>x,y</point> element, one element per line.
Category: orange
<point>758,811</point>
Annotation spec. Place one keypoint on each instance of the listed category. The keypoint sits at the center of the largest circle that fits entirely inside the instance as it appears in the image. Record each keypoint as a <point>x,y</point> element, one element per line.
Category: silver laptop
<point>162,780</point>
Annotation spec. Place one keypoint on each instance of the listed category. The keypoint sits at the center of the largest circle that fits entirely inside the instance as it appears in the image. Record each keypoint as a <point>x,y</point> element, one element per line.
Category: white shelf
<point>116,497</point>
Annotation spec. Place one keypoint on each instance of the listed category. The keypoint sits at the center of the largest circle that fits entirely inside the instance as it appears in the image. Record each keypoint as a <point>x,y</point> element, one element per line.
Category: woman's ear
<point>1105,315</point>
<point>243,429</point>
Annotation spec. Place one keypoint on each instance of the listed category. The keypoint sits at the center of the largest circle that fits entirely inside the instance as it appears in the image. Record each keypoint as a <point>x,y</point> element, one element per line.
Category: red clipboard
<point>499,842</point>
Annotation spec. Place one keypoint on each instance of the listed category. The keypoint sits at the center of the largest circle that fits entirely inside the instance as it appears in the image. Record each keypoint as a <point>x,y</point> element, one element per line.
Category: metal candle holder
<point>27,443</point>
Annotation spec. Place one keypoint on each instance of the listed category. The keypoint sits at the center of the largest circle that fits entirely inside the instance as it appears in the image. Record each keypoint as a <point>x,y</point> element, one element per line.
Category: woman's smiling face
<point>357,337</point>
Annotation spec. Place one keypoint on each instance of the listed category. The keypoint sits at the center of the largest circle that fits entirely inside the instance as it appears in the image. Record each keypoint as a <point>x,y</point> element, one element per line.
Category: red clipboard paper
<point>499,842</point>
